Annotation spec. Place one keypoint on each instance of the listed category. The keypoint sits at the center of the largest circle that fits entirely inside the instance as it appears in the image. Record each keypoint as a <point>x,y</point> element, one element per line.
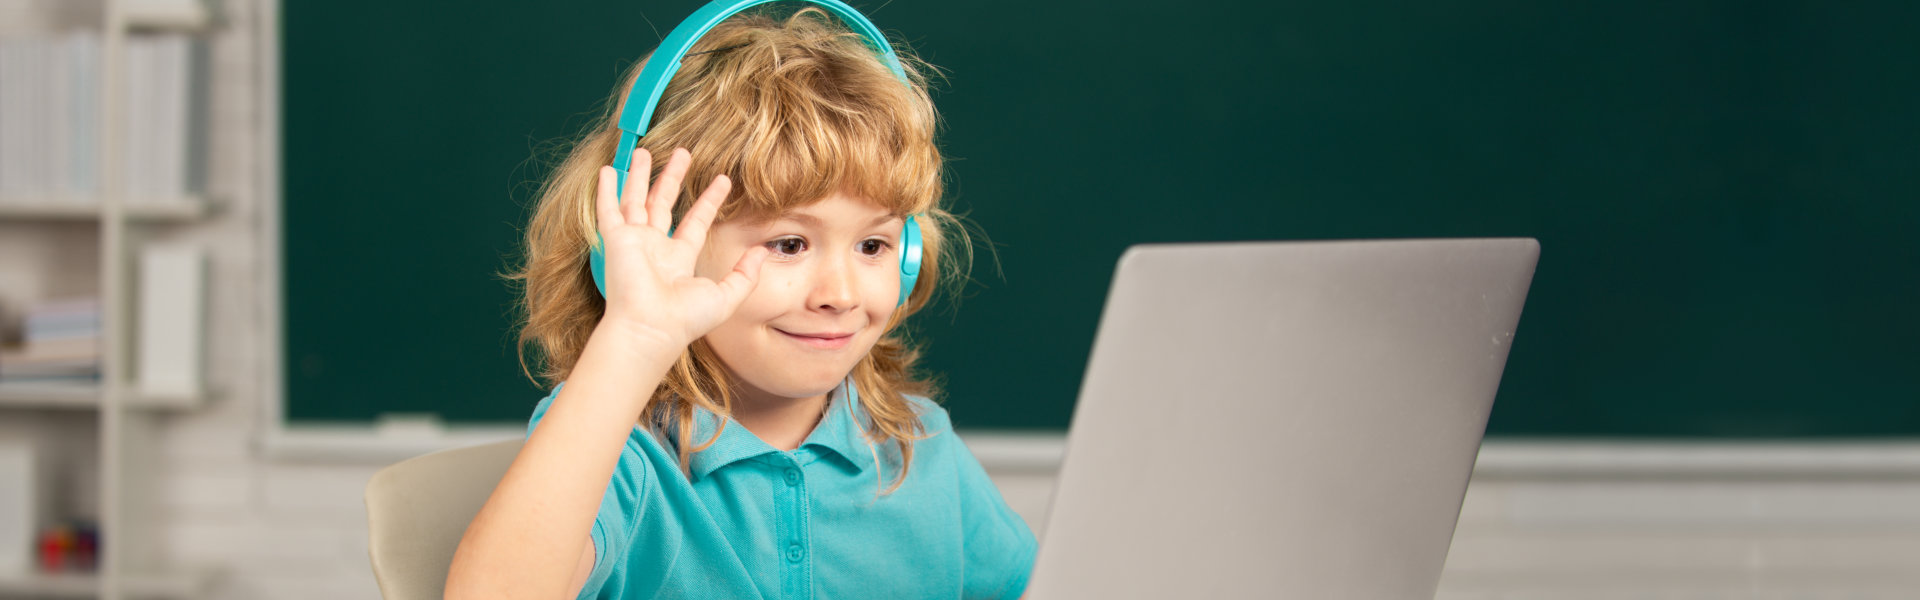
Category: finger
<point>606,205</point>
<point>693,227</point>
<point>745,275</point>
<point>668,188</point>
<point>660,210</point>
<point>633,203</point>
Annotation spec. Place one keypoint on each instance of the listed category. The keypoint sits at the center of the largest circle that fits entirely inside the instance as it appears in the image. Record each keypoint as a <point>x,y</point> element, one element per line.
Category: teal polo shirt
<point>756,522</point>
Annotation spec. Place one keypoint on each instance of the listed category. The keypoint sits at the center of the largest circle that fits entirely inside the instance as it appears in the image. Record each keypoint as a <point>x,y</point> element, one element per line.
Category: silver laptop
<point>1281,420</point>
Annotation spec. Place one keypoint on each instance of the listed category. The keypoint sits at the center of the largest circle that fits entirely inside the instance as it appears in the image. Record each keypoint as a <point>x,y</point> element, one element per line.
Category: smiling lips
<point>823,341</point>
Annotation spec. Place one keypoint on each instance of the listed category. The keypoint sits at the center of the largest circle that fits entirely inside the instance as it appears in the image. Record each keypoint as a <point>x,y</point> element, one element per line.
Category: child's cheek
<point>881,299</point>
<point>776,291</point>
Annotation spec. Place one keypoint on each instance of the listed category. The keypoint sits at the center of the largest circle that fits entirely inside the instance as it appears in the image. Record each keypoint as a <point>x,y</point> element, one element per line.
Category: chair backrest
<point>417,510</point>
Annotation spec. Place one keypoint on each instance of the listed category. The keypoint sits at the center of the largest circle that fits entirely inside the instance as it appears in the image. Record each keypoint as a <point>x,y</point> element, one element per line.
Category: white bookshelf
<point>107,230</point>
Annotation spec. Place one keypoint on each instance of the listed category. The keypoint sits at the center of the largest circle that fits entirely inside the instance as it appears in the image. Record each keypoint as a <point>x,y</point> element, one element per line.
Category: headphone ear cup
<point>910,249</point>
<point>597,259</point>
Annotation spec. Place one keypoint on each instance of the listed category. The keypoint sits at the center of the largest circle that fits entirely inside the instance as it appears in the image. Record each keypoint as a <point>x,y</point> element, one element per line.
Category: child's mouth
<point>824,341</point>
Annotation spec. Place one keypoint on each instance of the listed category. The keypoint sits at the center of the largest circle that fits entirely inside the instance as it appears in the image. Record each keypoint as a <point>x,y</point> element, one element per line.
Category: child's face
<point>833,270</point>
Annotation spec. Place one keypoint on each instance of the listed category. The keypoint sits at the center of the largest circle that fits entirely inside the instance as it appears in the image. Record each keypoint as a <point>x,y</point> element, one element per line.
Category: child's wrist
<point>641,338</point>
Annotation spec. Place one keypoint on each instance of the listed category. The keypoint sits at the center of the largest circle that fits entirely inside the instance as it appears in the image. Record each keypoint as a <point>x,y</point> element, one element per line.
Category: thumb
<point>745,275</point>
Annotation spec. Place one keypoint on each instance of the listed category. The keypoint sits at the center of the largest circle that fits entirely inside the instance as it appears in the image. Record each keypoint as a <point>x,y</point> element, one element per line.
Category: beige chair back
<point>418,509</point>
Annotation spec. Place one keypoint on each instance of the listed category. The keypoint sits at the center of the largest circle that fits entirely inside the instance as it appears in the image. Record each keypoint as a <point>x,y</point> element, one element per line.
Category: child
<point>740,416</point>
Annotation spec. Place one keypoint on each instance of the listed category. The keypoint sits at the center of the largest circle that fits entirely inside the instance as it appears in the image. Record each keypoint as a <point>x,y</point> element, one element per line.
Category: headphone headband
<point>637,113</point>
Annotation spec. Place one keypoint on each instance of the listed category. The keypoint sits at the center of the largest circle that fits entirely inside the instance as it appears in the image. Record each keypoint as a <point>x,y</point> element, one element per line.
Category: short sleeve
<point>620,509</point>
<point>997,544</point>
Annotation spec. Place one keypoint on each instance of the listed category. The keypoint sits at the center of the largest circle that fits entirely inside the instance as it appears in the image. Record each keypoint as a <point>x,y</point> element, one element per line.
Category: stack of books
<point>49,108</point>
<point>61,344</point>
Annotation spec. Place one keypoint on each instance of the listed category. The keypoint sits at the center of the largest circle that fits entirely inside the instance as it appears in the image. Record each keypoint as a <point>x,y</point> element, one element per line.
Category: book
<point>171,348</point>
<point>49,108</point>
<point>83,70</point>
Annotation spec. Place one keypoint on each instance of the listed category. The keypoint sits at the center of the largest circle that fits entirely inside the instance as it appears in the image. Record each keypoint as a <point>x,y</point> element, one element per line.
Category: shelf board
<point>78,208</point>
<point>169,15</point>
<point>83,396</point>
<point>188,584</point>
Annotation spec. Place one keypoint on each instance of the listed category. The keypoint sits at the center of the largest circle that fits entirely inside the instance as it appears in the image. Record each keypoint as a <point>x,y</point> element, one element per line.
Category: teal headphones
<point>645,95</point>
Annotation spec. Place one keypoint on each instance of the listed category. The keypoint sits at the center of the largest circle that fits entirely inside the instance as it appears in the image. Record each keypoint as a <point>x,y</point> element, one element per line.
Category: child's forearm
<point>527,539</point>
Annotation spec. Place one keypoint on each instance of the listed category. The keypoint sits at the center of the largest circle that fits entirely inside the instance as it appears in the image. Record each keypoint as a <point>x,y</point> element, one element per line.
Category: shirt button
<point>793,553</point>
<point>793,477</point>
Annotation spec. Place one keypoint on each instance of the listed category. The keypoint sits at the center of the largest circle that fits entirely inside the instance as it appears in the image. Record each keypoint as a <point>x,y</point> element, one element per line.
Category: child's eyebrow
<point>813,221</point>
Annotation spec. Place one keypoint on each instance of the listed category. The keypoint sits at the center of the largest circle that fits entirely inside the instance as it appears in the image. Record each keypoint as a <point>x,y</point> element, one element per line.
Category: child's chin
<point>811,385</point>
<point>815,379</point>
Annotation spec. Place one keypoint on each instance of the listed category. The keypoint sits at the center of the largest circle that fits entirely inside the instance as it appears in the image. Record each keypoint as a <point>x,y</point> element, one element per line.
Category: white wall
<point>277,529</point>
<point>1744,537</point>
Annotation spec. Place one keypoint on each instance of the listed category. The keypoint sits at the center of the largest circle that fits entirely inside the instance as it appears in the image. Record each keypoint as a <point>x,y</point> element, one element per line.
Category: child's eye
<point>787,246</point>
<point>873,247</point>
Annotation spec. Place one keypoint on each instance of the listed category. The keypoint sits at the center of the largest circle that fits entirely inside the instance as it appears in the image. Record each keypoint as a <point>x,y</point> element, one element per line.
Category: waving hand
<point>651,286</point>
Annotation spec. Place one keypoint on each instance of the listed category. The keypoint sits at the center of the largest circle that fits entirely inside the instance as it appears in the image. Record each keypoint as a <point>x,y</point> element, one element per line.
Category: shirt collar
<point>838,431</point>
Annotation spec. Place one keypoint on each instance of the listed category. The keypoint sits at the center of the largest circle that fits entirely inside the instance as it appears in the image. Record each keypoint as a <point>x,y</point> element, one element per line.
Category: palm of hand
<point>650,280</point>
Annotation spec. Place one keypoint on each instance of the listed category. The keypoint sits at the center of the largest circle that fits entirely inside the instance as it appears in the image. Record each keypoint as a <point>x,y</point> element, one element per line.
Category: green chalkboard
<point>1725,191</point>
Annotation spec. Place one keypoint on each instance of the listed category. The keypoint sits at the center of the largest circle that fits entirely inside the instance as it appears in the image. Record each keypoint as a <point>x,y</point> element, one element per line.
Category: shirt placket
<point>796,555</point>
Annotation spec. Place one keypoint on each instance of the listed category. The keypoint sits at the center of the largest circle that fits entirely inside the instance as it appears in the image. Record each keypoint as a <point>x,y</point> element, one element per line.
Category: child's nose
<point>833,286</point>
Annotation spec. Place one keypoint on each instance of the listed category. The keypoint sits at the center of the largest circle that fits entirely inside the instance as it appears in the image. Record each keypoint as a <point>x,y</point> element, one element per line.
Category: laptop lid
<point>1281,420</point>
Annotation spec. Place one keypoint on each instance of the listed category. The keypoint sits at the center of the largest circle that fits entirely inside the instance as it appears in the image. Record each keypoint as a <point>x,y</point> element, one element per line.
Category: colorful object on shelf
<point>69,547</point>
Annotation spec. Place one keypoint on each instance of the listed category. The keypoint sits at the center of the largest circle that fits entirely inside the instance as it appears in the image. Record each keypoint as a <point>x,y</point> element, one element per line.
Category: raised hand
<point>651,288</point>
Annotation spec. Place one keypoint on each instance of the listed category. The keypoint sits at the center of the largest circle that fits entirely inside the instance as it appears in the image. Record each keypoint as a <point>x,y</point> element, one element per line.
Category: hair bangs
<point>804,158</point>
